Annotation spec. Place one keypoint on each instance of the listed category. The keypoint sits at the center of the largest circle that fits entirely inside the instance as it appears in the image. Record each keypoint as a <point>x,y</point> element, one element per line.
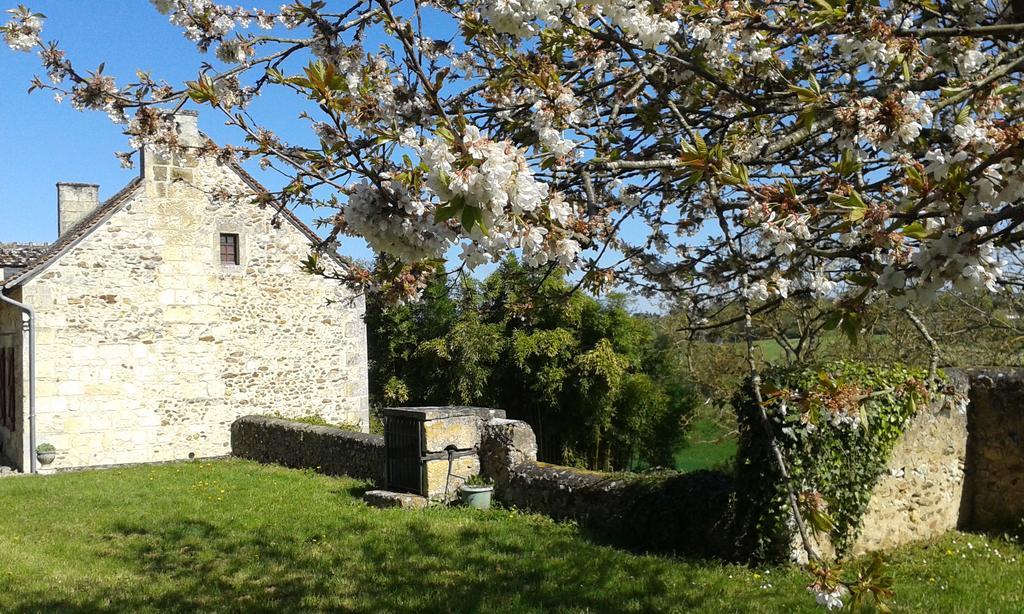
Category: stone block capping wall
<point>328,450</point>
<point>432,451</point>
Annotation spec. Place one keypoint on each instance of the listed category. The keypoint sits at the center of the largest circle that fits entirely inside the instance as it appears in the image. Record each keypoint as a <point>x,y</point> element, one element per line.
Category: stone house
<point>166,312</point>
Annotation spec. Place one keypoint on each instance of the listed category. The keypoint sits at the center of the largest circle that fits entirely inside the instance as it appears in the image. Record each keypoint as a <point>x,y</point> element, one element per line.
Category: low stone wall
<point>959,464</point>
<point>328,450</point>
<point>995,463</point>
<point>922,492</point>
<point>671,512</point>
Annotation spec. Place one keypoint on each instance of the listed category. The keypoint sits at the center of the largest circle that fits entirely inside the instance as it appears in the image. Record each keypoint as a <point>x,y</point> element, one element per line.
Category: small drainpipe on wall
<point>30,324</point>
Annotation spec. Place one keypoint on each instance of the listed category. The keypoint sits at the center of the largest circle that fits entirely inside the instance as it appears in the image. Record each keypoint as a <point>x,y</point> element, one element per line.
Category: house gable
<point>24,262</point>
<point>150,345</point>
<point>32,267</point>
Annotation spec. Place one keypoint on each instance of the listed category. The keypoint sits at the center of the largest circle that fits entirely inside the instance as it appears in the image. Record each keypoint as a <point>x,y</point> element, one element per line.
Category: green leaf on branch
<point>852,202</point>
<point>833,320</point>
<point>444,213</point>
<point>472,216</point>
<point>963,115</point>
<point>445,134</point>
<point>916,230</point>
<point>701,145</point>
<point>847,164</point>
<point>693,179</point>
<point>737,175</point>
<point>821,520</point>
<point>807,119</point>
<point>202,90</point>
<point>851,326</point>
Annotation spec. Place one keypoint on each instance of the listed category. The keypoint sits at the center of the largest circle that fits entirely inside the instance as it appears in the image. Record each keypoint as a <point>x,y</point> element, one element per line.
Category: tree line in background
<point>602,388</point>
<point>968,327</point>
<point>607,389</point>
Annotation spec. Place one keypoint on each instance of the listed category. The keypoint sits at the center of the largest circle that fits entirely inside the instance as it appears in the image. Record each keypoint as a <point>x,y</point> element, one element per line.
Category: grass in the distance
<point>710,445</point>
<point>237,536</point>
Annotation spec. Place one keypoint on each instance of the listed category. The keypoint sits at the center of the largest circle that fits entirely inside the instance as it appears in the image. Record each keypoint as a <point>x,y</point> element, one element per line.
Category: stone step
<point>386,498</point>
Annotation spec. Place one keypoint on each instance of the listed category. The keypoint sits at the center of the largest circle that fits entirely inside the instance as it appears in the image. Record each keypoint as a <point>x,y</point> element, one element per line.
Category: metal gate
<point>403,450</point>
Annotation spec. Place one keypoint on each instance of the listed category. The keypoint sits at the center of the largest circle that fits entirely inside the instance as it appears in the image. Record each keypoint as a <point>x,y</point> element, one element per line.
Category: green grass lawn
<point>237,536</point>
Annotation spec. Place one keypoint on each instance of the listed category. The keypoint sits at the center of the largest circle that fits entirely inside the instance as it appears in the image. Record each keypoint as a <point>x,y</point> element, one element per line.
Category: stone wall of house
<point>680,513</point>
<point>995,464</point>
<point>327,450</point>
<point>149,347</point>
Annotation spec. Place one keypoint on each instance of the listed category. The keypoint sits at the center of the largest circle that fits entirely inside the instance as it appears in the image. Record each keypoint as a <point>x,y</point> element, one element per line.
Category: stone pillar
<point>75,201</point>
<point>996,449</point>
<point>505,444</point>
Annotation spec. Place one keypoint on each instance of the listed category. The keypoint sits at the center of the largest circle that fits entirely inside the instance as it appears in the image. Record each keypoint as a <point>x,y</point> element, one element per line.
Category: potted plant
<point>45,453</point>
<point>476,492</point>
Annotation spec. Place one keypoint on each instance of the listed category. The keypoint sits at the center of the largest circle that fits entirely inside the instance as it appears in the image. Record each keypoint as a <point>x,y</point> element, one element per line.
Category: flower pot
<point>478,497</point>
<point>45,458</point>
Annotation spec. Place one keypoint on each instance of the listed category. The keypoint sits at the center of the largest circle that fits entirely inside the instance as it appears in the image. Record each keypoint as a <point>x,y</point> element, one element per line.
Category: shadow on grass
<point>468,565</point>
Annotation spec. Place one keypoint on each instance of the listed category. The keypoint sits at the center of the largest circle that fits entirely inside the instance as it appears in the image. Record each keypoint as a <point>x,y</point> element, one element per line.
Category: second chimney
<point>75,201</point>
<point>161,169</point>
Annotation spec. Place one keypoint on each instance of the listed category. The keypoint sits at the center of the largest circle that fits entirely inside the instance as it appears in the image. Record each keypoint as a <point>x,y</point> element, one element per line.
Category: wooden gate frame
<point>8,382</point>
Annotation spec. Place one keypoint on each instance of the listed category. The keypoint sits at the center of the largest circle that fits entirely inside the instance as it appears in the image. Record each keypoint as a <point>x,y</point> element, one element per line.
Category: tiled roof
<point>18,255</point>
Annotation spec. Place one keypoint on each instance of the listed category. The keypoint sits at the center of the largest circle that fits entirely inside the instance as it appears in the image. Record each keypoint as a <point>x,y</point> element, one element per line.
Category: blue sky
<point>44,142</point>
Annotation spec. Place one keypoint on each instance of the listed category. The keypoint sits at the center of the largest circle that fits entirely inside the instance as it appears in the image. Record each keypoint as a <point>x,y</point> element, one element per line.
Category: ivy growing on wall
<point>837,425</point>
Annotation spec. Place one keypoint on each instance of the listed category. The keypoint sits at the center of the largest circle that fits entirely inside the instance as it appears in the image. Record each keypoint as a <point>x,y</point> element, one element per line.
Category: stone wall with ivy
<point>876,459</point>
<point>921,491</point>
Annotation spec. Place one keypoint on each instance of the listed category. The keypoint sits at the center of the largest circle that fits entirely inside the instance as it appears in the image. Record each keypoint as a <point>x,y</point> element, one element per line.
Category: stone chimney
<point>187,125</point>
<point>160,170</point>
<point>75,201</point>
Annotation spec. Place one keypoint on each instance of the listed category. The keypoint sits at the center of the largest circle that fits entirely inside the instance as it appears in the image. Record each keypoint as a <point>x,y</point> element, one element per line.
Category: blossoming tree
<point>799,144</point>
<point>733,152</point>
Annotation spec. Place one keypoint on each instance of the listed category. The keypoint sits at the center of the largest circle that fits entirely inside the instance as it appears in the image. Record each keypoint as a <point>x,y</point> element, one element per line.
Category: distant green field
<point>771,352</point>
<point>710,446</point>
